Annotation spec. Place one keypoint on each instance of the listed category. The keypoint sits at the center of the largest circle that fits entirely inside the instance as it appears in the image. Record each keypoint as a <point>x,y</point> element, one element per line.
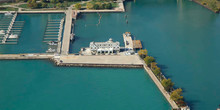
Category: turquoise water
<point>38,85</point>
<point>31,38</point>
<point>183,37</point>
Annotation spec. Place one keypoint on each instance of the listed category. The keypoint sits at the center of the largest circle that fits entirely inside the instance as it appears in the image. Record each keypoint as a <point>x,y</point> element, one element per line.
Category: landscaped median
<point>174,96</point>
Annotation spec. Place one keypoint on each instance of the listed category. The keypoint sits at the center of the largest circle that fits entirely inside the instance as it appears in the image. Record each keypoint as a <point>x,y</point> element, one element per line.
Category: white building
<point>107,47</point>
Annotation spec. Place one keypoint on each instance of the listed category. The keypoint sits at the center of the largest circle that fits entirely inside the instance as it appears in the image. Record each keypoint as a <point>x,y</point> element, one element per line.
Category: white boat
<point>13,36</point>
<point>8,13</point>
<point>72,36</point>
<point>50,50</point>
<point>2,32</point>
<point>52,43</point>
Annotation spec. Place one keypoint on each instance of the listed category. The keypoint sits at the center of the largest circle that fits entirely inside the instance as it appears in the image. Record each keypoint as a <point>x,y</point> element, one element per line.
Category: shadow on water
<point>192,103</point>
<point>72,42</point>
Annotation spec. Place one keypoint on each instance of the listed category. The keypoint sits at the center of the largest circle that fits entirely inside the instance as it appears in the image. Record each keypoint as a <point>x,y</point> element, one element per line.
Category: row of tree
<point>45,3</point>
<point>175,95</point>
<point>98,5</point>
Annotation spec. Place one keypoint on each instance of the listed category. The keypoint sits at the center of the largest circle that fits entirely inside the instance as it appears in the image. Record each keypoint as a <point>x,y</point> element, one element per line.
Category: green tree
<point>156,71</point>
<point>39,5</point>
<point>65,4</point>
<point>89,5</point>
<point>153,65</point>
<point>44,5</point>
<point>167,84</point>
<point>29,1</point>
<point>176,95</point>
<point>108,6</point>
<point>213,5</point>
<point>59,5</point>
<point>99,5</point>
<point>142,53</point>
<point>78,6</point>
<point>148,60</point>
<point>53,1</point>
<point>32,4</point>
<point>95,6</point>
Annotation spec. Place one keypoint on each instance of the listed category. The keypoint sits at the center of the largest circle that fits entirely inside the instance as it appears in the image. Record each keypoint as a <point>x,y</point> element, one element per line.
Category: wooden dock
<point>137,44</point>
<point>67,31</point>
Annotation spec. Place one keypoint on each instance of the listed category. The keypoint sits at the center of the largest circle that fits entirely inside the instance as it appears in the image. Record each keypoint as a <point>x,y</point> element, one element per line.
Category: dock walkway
<point>29,56</point>
<point>60,35</point>
<point>9,28</point>
<point>67,31</point>
<point>128,41</point>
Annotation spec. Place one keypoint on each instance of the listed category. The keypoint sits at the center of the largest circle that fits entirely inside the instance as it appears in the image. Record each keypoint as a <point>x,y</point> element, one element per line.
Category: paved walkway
<point>102,59</point>
<point>67,31</point>
<point>25,56</point>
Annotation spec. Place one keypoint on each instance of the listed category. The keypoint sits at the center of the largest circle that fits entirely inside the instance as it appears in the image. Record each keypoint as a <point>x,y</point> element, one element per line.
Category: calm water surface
<point>183,36</point>
<point>38,85</point>
<point>31,37</point>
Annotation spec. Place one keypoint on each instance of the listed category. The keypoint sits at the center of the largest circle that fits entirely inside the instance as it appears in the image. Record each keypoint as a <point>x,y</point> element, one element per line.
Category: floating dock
<point>9,29</point>
<point>59,36</point>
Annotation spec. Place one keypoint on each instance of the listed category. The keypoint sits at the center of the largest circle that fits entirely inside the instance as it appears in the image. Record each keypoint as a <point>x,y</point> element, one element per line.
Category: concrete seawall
<point>100,65</point>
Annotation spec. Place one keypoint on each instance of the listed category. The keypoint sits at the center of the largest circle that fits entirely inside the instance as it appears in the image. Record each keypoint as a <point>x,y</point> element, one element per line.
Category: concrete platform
<point>25,56</point>
<point>102,60</point>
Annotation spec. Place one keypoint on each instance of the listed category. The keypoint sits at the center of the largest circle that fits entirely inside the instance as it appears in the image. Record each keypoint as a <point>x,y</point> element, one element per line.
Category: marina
<point>10,28</point>
<point>127,57</point>
<point>163,39</point>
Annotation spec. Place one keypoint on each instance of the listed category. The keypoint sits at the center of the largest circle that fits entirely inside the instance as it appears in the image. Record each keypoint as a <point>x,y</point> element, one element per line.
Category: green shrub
<point>108,6</point>
<point>89,5</point>
<point>44,5</point>
<point>95,6</point>
<point>78,6</point>
<point>59,5</point>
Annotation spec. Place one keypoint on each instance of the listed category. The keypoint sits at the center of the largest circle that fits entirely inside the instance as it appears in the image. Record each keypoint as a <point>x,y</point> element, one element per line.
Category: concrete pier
<point>128,40</point>
<point>25,56</point>
<point>105,60</point>
<point>67,31</point>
